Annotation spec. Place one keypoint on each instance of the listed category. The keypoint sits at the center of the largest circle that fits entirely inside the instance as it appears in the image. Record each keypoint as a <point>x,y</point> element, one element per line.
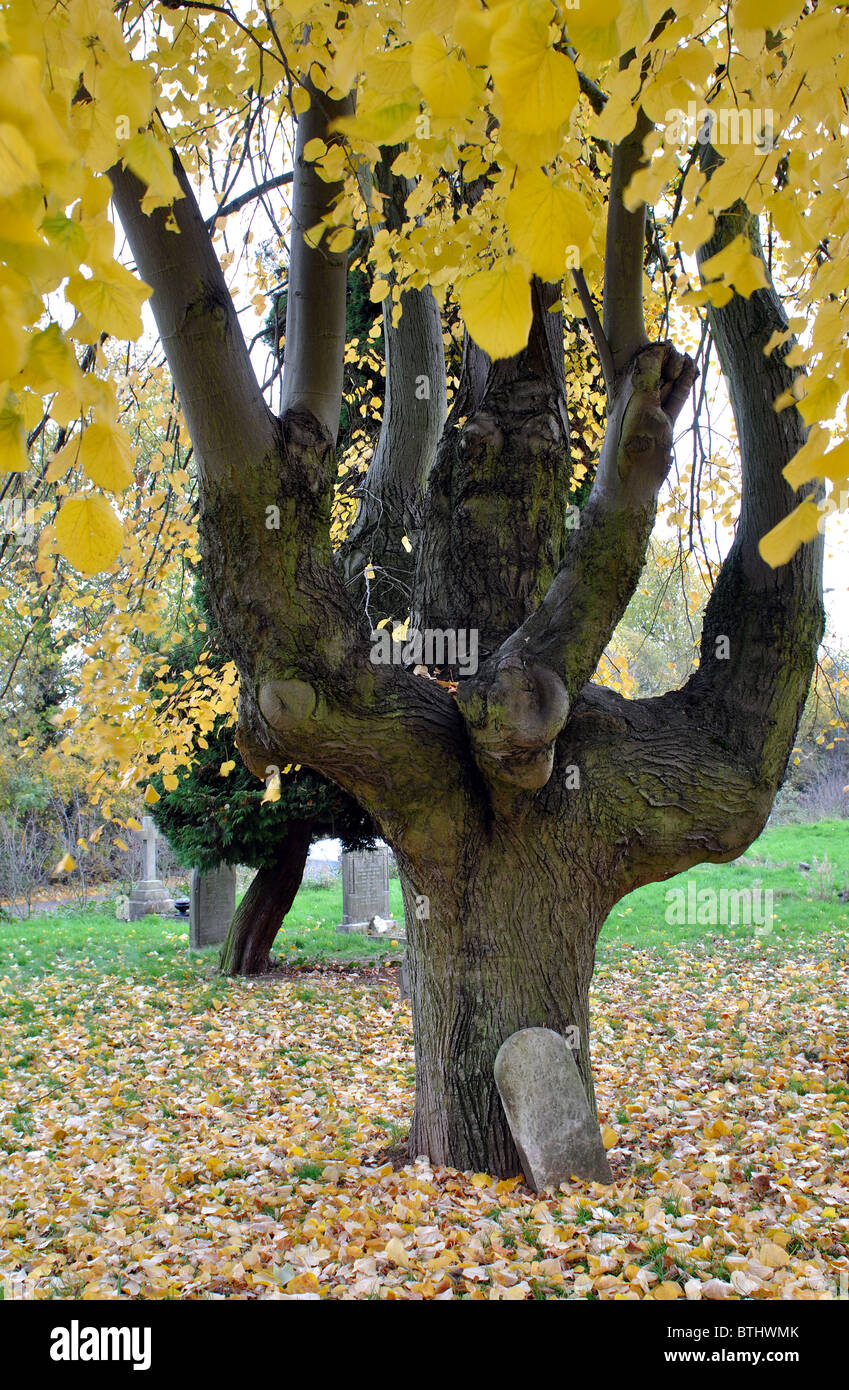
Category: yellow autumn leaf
<point>18,167</point>
<point>88,533</point>
<point>106,456</point>
<point>170,782</point>
<point>151,795</point>
<point>529,151</point>
<point>472,29</point>
<point>609,1137</point>
<point>443,80</point>
<point>110,302</point>
<point>122,844</point>
<point>547,224</point>
<point>226,768</point>
<point>736,265</point>
<point>273,790</point>
<point>384,121</point>
<point>396,1253</point>
<point>51,361</point>
<point>765,14</point>
<point>814,460</point>
<point>133,824</point>
<point>13,340</point>
<point>781,543</point>
<point>66,864</point>
<point>150,160</point>
<point>538,87</point>
<point>13,442</point>
<point>595,15</point>
<point>496,307</point>
<point>773,1256</point>
<point>821,400</point>
<point>341,239</point>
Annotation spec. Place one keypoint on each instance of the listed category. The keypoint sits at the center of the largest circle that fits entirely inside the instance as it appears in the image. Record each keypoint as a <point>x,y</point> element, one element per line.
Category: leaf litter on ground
<point>186,1137</point>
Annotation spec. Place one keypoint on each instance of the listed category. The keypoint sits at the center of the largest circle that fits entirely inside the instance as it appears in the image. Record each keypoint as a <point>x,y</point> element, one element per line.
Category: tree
<point>537,172</point>
<point>210,820</point>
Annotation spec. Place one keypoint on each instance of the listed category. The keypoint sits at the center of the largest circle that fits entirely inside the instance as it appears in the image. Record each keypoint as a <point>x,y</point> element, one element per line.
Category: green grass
<point>803,903</point>
<point>154,948</point>
<point>804,907</point>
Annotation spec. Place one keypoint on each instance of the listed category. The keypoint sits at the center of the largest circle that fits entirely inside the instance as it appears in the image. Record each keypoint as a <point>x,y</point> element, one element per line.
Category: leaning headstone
<point>547,1110</point>
<point>149,895</point>
<point>122,908</point>
<point>404,977</point>
<point>365,890</point>
<point>212,904</point>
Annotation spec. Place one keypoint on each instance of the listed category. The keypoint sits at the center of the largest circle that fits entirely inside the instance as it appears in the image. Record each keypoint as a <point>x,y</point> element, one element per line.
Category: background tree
<point>210,819</point>
<point>532,138</point>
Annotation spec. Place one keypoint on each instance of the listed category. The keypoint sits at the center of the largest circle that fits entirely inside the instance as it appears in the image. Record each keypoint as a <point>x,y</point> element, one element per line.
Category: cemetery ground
<point>166,1133</point>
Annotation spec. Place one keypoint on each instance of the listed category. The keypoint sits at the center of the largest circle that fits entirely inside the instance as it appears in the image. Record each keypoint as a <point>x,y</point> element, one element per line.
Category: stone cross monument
<point>149,895</point>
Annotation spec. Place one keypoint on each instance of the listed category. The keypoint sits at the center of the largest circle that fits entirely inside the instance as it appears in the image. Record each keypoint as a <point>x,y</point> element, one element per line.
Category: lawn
<point>166,1133</point>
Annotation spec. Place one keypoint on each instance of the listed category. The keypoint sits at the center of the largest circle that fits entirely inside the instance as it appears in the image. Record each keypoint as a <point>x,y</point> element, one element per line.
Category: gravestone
<point>122,908</point>
<point>212,904</point>
<point>365,892</point>
<point>149,895</point>
<point>547,1110</point>
<point>404,977</point>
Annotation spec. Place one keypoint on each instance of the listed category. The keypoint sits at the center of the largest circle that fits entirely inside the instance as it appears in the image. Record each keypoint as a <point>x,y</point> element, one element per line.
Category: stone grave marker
<point>212,904</point>
<point>365,893</point>
<point>149,895</point>
<point>547,1110</point>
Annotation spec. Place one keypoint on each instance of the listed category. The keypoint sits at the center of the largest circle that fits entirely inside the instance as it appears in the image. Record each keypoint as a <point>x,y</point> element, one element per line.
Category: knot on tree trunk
<point>651,394</point>
<point>285,704</point>
<point>514,711</point>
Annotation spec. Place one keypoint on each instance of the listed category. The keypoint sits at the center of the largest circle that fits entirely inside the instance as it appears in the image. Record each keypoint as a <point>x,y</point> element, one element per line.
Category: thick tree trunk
<point>513,949</point>
<point>259,916</point>
<point>529,804</point>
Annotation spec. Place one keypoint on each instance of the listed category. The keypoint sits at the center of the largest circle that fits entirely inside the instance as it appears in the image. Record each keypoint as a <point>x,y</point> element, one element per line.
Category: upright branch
<point>514,708</point>
<point>624,327</point>
<point>494,519</point>
<point>308,692</point>
<point>762,626</point>
<point>315,305</point>
<point>692,775</point>
<point>413,419</point>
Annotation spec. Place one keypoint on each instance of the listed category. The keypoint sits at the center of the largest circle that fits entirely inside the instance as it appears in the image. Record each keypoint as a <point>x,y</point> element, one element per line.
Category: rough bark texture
<point>413,420</point>
<point>494,527</point>
<point>259,916</point>
<point>526,807</point>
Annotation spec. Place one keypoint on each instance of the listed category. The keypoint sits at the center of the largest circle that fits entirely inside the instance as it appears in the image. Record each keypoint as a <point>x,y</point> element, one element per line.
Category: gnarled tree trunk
<point>523,808</point>
<point>514,948</point>
<point>259,916</point>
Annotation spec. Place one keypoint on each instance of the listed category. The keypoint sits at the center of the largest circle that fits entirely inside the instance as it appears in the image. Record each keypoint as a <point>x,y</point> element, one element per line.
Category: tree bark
<point>495,525</point>
<point>527,806</point>
<point>513,947</point>
<point>259,916</point>
<point>413,419</point>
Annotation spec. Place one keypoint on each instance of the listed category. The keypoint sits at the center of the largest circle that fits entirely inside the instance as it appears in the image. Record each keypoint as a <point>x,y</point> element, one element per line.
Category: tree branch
<point>602,346</point>
<point>413,419</point>
<point>315,303</point>
<point>572,625</point>
<point>624,327</point>
<point>693,775</point>
<point>206,351</point>
<point>236,204</point>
